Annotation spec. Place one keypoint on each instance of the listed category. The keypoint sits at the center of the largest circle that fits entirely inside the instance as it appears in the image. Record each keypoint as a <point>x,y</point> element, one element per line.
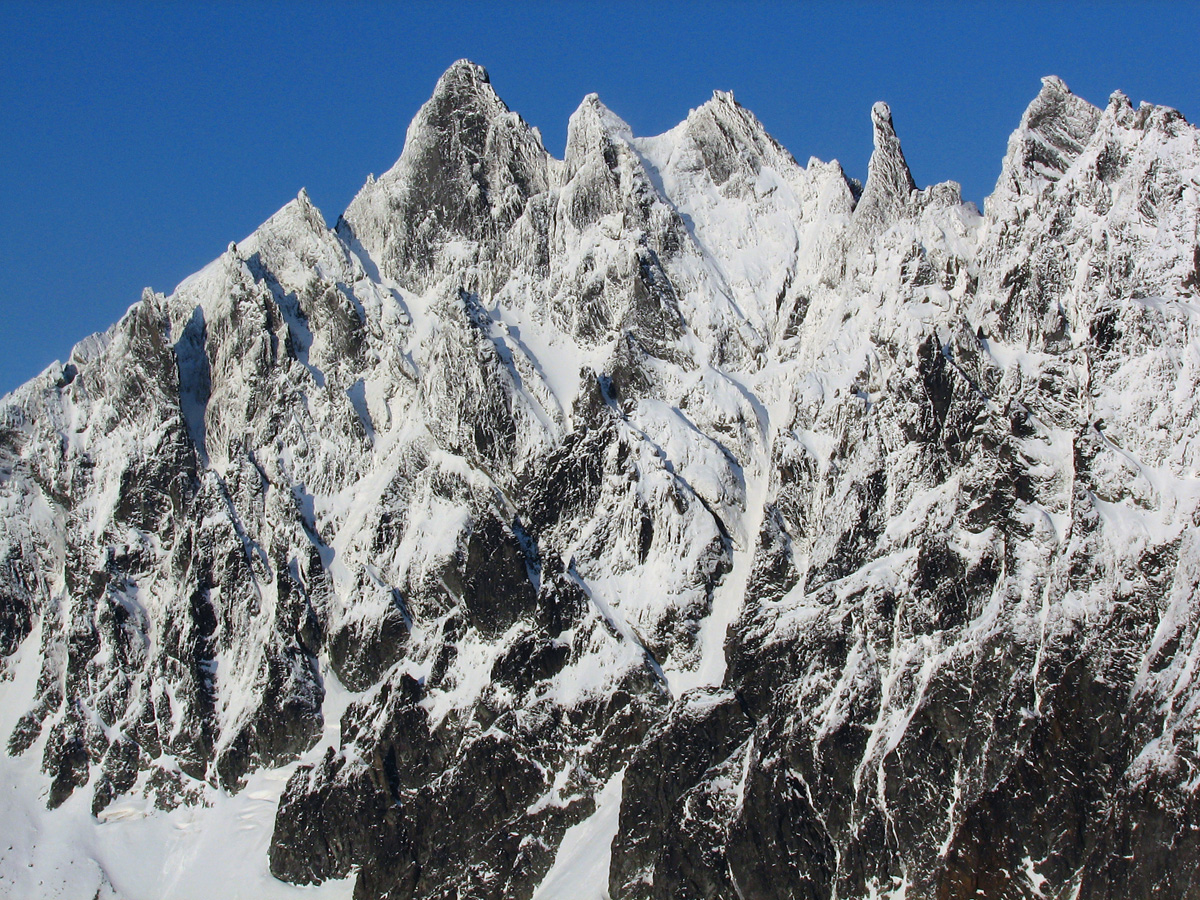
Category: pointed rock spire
<point>592,128</point>
<point>602,173</point>
<point>888,171</point>
<point>889,181</point>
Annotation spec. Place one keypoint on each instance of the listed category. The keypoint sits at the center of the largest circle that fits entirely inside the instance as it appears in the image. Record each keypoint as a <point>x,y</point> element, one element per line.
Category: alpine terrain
<point>670,520</point>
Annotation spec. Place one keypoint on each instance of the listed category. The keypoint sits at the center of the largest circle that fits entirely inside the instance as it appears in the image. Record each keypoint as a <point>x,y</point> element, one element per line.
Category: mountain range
<point>671,520</point>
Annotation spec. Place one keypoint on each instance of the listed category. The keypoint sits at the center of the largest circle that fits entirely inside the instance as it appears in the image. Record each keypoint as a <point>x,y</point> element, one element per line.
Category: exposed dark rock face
<point>760,534</point>
<point>665,799</point>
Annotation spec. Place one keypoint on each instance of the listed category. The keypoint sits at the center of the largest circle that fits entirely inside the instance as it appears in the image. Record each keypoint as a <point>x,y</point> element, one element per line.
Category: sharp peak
<point>299,207</point>
<point>463,71</point>
<point>1055,95</point>
<point>301,204</point>
<point>723,107</point>
<point>882,127</point>
<point>592,108</point>
<point>1055,84</point>
<point>720,103</point>
<point>465,82</point>
<point>592,101</point>
<point>464,89</point>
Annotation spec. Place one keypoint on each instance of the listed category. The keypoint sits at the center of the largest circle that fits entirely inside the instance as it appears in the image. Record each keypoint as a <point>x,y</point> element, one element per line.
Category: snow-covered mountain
<point>666,521</point>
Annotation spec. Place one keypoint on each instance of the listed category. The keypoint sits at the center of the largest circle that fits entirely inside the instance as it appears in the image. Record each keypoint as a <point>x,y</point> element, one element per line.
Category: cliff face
<point>670,515</point>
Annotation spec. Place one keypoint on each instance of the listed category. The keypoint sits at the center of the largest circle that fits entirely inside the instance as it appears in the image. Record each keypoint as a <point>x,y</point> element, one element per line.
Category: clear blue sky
<point>138,140</point>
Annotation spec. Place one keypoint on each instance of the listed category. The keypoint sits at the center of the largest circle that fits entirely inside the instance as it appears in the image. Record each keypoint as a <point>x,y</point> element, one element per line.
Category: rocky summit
<point>667,521</point>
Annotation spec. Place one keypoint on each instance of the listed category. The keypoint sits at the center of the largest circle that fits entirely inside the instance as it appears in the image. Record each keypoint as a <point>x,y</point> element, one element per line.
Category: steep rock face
<point>468,169</point>
<point>760,535</point>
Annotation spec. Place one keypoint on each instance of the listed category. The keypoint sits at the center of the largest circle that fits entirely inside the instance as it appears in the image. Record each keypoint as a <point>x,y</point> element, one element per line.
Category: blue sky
<point>138,140</point>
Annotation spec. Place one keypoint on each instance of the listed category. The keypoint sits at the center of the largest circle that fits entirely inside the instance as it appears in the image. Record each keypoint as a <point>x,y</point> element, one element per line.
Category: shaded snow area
<point>668,520</point>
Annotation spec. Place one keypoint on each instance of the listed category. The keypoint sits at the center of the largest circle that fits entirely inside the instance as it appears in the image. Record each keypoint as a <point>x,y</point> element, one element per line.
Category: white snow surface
<point>580,869</point>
